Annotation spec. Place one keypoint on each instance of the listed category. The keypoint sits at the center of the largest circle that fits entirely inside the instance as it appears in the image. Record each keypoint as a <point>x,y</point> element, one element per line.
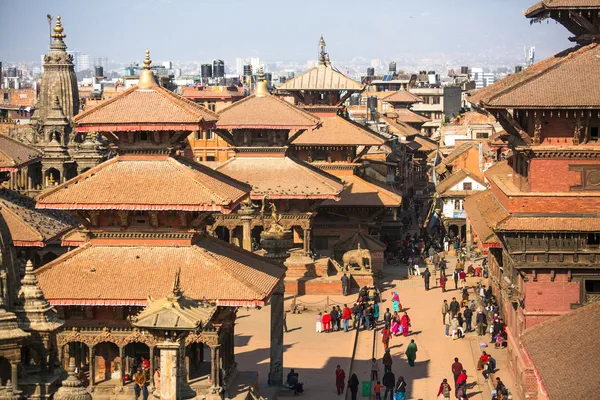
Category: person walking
<point>401,389</point>
<point>346,315</point>
<point>411,352</point>
<point>445,309</point>
<point>455,277</point>
<point>445,390</point>
<point>340,380</point>
<point>447,322</point>
<point>386,334</point>
<point>426,277</point>
<point>457,368</point>
<point>405,323</point>
<point>443,280</point>
<point>454,307</point>
<point>374,370</point>
<point>387,317</point>
<point>387,362</point>
<point>345,284</point>
<point>443,266</point>
<point>320,323</point>
<point>353,386</point>
<point>468,314</point>
<point>389,380</point>
<point>481,322</point>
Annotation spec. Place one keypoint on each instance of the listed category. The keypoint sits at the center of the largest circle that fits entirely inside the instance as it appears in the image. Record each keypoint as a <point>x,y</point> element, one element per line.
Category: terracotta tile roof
<point>264,113</point>
<point>147,183</point>
<point>74,238</point>
<point>550,224</point>
<point>366,242</point>
<point>358,192</point>
<point>338,131</point>
<point>459,151</point>
<point>500,168</point>
<point>28,226</point>
<point>282,178</point>
<point>121,274</point>
<point>399,128</point>
<point>402,96</point>
<point>561,4</point>
<point>425,143</point>
<point>154,108</point>
<point>445,186</point>
<point>205,93</point>
<point>549,83</point>
<point>407,116</point>
<point>321,77</point>
<point>562,351</point>
<point>14,154</point>
<point>485,213</point>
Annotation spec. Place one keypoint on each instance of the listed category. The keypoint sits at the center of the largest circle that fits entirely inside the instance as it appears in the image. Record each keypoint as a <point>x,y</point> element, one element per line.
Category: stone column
<point>215,367</point>
<point>246,233</point>
<point>92,367</point>
<point>121,357</point>
<point>231,230</point>
<point>152,367</point>
<point>306,240</point>
<point>276,359</point>
<point>168,370</point>
<point>14,375</point>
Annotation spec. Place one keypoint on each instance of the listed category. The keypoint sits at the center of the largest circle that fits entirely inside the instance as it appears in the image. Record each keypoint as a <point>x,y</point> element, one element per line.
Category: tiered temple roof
<point>28,226</point>
<point>282,177</point>
<point>152,183</point>
<point>549,83</point>
<point>361,193</point>
<point>264,111</point>
<point>14,154</point>
<point>101,274</point>
<point>322,77</point>
<point>485,213</point>
<point>338,131</point>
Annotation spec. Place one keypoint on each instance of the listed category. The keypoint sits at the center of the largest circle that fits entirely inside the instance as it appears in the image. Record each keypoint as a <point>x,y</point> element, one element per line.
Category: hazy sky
<point>275,29</point>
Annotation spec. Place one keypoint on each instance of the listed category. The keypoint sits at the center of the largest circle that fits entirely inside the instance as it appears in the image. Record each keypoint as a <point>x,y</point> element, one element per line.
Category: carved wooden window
<point>467,186</point>
<point>590,177</point>
<point>593,240</point>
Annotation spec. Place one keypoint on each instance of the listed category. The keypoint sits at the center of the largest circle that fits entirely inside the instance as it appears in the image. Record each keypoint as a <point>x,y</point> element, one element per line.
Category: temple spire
<point>322,53</point>
<point>146,76</point>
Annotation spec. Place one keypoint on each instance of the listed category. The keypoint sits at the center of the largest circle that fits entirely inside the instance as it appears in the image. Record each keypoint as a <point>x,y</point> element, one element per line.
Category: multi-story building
<point>482,79</point>
<point>543,205</point>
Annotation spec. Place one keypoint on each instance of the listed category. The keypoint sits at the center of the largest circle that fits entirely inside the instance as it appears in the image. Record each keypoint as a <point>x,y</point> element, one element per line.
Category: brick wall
<point>554,175</point>
<point>545,299</point>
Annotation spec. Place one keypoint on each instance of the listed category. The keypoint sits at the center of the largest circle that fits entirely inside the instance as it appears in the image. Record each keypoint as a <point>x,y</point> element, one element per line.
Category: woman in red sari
<point>405,322</point>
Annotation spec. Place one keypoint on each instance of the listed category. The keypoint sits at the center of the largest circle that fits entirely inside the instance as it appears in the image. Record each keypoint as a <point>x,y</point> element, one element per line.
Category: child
<point>378,391</point>
<point>319,323</point>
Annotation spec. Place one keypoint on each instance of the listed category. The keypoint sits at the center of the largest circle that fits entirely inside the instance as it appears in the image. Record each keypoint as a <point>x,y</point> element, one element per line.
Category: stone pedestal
<point>173,382</point>
<point>276,359</point>
<point>299,265</point>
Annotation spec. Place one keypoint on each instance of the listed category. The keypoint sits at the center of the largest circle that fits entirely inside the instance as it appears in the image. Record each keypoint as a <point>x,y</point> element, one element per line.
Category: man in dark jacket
<point>334,319</point>
<point>468,317</point>
<point>426,276</point>
<point>387,317</point>
<point>345,284</point>
<point>454,307</point>
<point>443,265</point>
<point>481,322</point>
<point>389,381</point>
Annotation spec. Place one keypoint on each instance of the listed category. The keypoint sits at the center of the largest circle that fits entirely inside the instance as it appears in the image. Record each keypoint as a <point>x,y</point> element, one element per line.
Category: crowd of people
<point>364,312</point>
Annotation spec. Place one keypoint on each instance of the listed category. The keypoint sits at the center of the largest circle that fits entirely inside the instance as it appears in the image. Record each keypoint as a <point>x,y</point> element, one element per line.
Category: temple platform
<point>326,285</point>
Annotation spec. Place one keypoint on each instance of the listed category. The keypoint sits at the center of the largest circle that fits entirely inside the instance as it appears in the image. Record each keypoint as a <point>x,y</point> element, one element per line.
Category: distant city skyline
<point>186,30</point>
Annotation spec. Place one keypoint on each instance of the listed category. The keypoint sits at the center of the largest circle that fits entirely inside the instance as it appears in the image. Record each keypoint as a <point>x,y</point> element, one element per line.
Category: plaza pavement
<point>315,356</point>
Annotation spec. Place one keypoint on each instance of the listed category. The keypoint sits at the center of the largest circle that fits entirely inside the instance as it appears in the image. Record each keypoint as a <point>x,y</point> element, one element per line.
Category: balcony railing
<point>592,298</point>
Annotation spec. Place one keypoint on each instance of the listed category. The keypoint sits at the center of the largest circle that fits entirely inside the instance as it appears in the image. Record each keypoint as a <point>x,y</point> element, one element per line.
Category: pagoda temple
<point>64,152</point>
<point>144,214</point>
<point>259,127</point>
<point>539,219</point>
<point>338,146</point>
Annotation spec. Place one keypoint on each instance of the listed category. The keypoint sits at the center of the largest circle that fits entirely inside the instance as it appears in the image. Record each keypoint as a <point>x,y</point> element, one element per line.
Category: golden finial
<point>58,29</point>
<point>261,84</point>
<point>147,60</point>
<point>146,76</point>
